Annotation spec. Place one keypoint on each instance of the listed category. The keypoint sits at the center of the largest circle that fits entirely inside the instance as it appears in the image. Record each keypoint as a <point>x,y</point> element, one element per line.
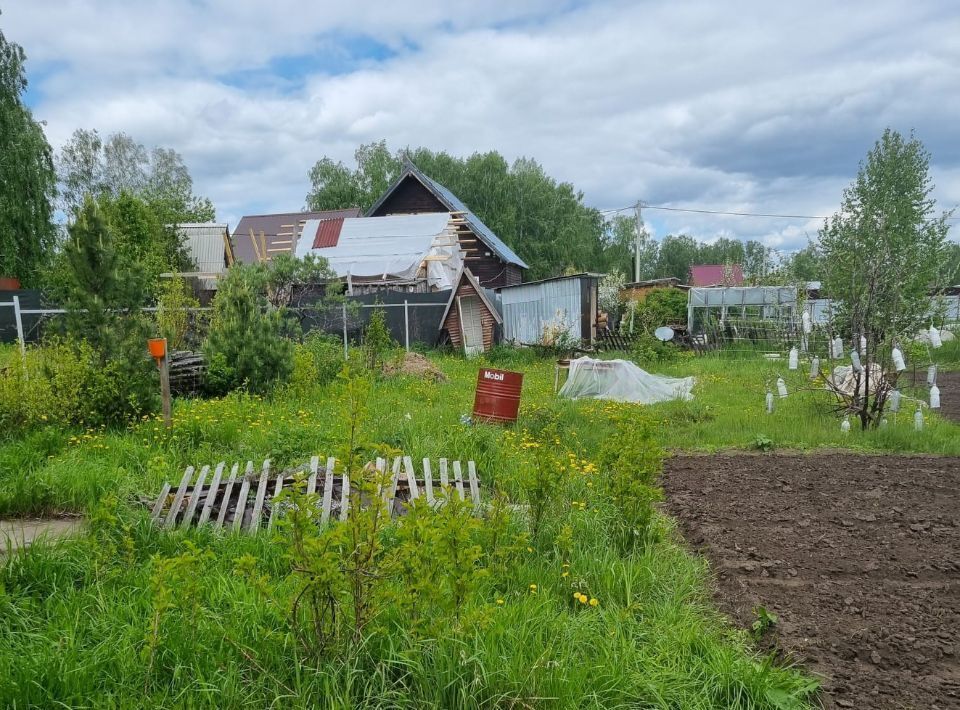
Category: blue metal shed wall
<point>529,307</point>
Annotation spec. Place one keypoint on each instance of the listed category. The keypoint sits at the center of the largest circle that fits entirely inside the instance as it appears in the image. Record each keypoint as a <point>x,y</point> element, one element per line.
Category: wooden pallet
<point>244,502</point>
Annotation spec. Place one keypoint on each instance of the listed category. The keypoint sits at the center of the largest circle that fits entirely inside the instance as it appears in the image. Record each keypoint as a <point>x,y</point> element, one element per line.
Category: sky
<point>737,106</point>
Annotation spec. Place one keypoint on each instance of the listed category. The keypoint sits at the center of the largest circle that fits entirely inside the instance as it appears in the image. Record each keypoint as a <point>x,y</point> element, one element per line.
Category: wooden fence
<point>228,504</point>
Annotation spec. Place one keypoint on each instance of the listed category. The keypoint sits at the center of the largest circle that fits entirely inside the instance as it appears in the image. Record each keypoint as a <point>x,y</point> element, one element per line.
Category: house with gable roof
<point>488,258</point>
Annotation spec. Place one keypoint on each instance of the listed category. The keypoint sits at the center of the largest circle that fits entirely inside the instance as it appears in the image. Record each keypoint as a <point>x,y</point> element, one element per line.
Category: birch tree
<point>882,253</point>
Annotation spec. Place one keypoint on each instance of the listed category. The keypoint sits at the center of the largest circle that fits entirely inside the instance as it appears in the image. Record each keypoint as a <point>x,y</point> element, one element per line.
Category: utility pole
<point>636,249</point>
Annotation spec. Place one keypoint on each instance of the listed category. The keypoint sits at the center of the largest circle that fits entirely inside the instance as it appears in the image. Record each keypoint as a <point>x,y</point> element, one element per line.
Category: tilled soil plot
<point>859,557</point>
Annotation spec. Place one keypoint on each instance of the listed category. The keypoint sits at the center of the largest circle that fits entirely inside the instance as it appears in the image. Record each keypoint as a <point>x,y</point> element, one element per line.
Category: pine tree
<point>247,340</point>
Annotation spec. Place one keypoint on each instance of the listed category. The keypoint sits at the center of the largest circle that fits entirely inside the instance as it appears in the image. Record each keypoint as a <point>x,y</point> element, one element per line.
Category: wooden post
<point>406,324</point>
<point>164,366</point>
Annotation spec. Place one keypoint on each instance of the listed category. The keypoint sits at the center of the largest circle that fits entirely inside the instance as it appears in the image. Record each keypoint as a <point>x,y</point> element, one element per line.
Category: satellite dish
<point>663,333</point>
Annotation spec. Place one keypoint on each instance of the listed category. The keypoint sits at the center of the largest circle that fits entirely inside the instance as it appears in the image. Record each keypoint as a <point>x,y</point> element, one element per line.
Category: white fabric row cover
<point>391,248</point>
<point>622,381</point>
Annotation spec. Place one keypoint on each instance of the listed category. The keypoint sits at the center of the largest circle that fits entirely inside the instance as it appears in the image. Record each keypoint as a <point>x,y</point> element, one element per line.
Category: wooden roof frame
<point>472,280</point>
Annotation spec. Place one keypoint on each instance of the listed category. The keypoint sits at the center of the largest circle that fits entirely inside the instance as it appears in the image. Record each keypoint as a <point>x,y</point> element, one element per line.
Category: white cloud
<point>763,109</point>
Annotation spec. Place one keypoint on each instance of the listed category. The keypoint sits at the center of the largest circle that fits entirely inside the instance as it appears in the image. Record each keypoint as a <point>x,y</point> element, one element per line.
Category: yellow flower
<point>529,549</point>
<point>499,602</point>
<point>565,574</point>
<point>533,587</point>
<point>582,598</point>
<point>594,602</point>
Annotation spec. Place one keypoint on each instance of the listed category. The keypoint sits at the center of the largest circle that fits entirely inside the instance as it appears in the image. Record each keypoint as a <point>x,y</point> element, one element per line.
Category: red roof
<point>328,233</point>
<point>716,275</point>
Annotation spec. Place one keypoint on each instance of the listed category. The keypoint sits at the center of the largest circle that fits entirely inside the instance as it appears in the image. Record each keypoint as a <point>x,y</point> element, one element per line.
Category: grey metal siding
<point>528,308</point>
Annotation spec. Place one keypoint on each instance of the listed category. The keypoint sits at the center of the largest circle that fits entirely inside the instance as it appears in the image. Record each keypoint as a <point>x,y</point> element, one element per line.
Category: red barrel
<point>498,395</point>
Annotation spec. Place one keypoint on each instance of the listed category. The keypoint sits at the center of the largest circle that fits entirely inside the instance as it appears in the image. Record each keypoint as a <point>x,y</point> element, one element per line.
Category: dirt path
<point>859,556</point>
<point>15,534</point>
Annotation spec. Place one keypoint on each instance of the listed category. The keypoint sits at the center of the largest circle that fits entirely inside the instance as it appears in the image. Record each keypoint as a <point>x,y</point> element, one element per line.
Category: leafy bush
<point>247,343</point>
<point>631,463</point>
<point>316,361</point>
<point>376,340</point>
<point>67,383</point>
<point>660,306</point>
<point>172,316</point>
<point>646,348</point>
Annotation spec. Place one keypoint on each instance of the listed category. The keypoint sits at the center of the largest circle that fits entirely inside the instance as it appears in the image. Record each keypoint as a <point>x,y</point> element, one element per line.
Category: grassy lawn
<point>128,615</point>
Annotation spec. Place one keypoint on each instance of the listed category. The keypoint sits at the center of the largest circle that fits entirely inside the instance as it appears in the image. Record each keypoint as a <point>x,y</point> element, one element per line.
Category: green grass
<point>74,614</point>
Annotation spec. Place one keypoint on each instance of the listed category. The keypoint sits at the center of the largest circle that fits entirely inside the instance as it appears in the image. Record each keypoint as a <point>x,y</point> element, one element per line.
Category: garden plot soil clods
<point>857,555</point>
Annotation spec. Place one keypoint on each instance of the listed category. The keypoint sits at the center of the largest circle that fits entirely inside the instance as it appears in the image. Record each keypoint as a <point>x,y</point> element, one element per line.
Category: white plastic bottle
<point>935,340</point>
<point>895,401</point>
<point>781,387</point>
<point>807,325</point>
<point>855,359</point>
<point>794,359</point>
<point>845,425</point>
<point>934,397</point>
<point>837,348</point>
<point>863,345</point>
<point>932,374</point>
<point>814,368</point>
<point>769,402</point>
<point>918,420</point>
<point>898,363</point>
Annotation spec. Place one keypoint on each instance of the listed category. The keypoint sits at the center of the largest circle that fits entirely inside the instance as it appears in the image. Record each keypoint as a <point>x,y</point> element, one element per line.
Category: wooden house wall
<point>452,323</point>
<point>411,197</point>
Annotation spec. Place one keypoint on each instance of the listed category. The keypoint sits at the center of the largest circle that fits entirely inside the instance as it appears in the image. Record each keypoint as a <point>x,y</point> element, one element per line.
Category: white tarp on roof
<point>392,248</point>
<point>623,381</point>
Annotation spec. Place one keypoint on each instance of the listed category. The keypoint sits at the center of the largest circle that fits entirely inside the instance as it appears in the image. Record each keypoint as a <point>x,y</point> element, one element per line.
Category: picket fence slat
<point>327,490</point>
<point>195,497</point>
<point>474,483</point>
<point>458,479</point>
<point>312,481</point>
<point>273,503</point>
<point>225,503</point>
<point>211,494</point>
<point>411,477</point>
<point>427,481</point>
<point>242,498</point>
<point>164,492</point>
<point>261,493</point>
<point>345,496</point>
<point>178,499</point>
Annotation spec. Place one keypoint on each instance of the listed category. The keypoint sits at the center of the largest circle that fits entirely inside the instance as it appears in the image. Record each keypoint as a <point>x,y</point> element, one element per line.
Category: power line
<point>647,206</point>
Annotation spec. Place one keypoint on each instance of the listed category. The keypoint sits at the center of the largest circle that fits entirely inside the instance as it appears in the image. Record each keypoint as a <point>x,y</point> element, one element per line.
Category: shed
<point>208,246</point>
<point>262,236</point>
<point>562,303</point>
<point>471,318</point>
<point>488,257</point>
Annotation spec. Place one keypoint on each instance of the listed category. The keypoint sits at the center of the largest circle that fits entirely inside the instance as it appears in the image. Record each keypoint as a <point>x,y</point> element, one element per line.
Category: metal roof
<point>454,204</point>
<point>205,245</point>
<point>715,275</point>
<point>280,231</point>
<point>581,275</point>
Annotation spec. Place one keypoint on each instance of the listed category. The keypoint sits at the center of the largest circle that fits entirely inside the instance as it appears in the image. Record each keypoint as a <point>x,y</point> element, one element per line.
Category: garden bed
<point>856,555</point>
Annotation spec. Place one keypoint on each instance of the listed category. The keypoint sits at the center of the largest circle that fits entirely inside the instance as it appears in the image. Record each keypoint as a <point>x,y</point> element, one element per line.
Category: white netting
<point>623,381</point>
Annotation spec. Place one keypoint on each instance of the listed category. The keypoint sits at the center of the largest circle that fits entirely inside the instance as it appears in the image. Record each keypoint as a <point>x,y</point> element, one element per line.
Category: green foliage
<point>285,273</point>
<point>172,316</point>
<point>316,361</point>
<point>89,166</point>
<point>646,349</point>
<point>765,620</point>
<point>246,344</point>
<point>376,340</point>
<point>883,251</point>
<point>27,179</point>
<point>631,463</point>
<point>763,443</point>
<point>68,383</point>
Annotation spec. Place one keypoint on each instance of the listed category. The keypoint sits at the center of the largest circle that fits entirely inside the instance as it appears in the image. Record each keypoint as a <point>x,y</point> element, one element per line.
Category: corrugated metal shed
<point>206,246</point>
<point>281,232</point>
<point>565,301</point>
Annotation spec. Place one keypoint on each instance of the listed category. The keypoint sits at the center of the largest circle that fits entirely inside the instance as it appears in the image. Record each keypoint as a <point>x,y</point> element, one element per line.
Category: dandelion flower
<point>583,598</point>
<point>594,602</point>
<point>533,587</point>
<point>499,602</point>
